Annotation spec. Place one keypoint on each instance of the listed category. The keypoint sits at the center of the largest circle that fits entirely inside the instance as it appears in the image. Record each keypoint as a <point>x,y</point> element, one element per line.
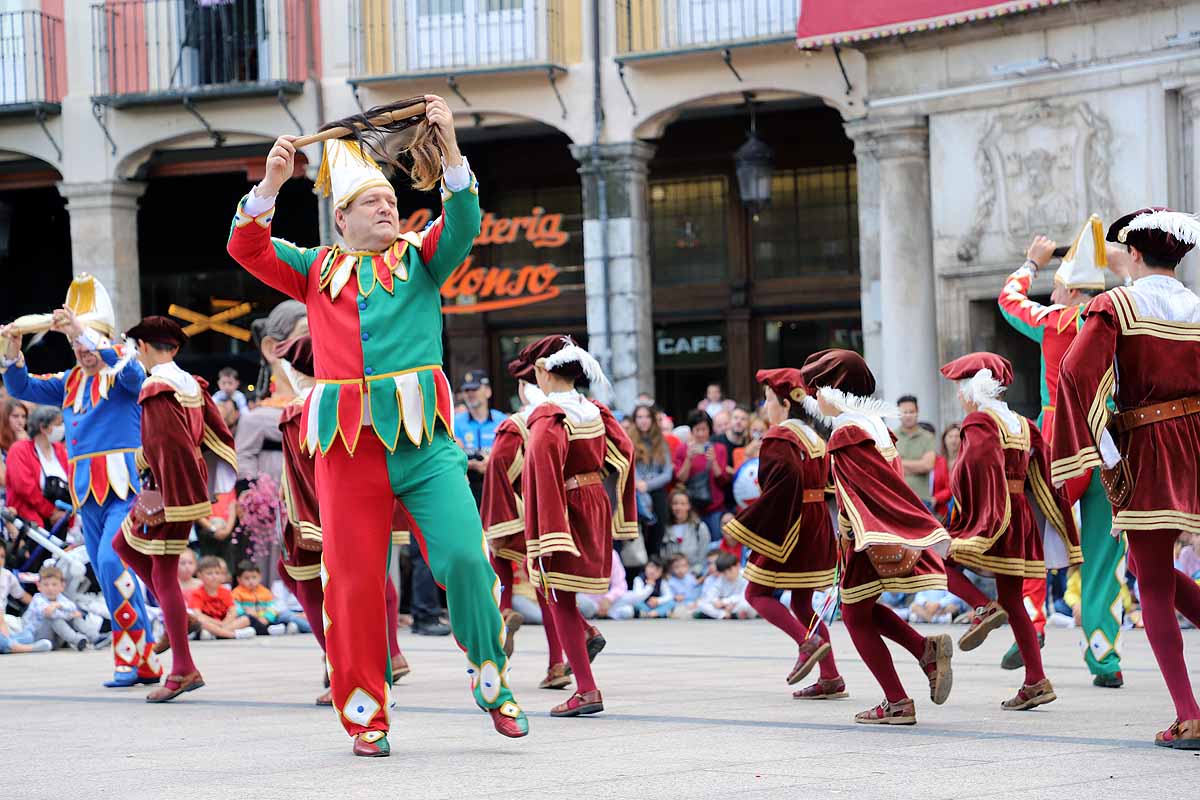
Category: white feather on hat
<point>1084,264</point>
<point>1184,227</point>
<point>573,352</point>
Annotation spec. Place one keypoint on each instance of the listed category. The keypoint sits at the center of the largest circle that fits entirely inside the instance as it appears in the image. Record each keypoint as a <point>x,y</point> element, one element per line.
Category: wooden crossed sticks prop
<point>216,322</point>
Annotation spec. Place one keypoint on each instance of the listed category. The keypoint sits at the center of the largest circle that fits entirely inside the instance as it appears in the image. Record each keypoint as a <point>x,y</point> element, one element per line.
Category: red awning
<point>826,22</point>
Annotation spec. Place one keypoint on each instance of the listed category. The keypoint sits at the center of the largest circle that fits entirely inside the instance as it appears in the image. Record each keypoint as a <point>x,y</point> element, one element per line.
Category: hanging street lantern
<point>754,162</point>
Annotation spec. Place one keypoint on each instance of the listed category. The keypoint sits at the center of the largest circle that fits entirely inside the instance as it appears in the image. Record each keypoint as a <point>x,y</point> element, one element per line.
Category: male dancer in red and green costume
<point>1054,327</point>
<point>379,416</point>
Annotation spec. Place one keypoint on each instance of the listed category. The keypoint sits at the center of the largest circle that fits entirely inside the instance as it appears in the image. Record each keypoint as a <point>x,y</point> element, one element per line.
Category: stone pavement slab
<point>694,710</point>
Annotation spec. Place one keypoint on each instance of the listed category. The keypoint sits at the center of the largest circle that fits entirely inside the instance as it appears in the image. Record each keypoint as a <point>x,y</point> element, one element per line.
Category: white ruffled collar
<point>865,412</point>
<point>1011,419</point>
<point>577,407</point>
<point>173,374</point>
<point>534,397</point>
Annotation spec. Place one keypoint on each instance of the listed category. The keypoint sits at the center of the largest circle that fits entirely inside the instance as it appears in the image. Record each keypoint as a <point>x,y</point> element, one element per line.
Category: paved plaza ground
<point>695,710</point>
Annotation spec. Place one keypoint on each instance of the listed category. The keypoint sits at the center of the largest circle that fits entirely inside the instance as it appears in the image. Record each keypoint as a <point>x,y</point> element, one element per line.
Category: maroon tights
<point>793,622</point>
<point>161,573</point>
<point>504,571</point>
<point>311,598</point>
<point>868,623</point>
<point>1163,589</point>
<point>571,627</point>
<point>1010,595</point>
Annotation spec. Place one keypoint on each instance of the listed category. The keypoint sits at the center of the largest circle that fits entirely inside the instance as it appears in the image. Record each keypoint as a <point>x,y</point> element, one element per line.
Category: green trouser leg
<point>431,482</point>
<point>1101,578</point>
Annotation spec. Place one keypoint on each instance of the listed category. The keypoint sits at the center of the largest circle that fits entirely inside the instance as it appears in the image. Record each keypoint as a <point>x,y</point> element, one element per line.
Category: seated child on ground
<point>52,615</point>
<point>255,601</point>
<point>682,586</point>
<point>649,597</point>
<point>935,605</point>
<point>213,606</point>
<point>724,595</point>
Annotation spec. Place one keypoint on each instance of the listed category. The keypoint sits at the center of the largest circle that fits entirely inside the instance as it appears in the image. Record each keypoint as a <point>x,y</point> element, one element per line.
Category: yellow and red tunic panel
<point>994,527</point>
<point>502,509</point>
<point>878,507</point>
<point>1136,360</point>
<point>569,534</point>
<point>788,528</point>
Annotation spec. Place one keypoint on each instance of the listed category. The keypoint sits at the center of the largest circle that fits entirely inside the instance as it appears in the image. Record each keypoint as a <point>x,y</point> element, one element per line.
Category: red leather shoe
<point>509,720</point>
<point>579,704</point>
<point>175,686</point>
<point>832,689</point>
<point>595,642</point>
<point>811,652</point>
<point>372,744</point>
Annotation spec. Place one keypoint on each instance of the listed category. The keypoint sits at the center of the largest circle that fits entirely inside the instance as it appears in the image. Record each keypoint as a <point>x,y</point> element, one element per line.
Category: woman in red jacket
<point>942,467</point>
<point>34,462</point>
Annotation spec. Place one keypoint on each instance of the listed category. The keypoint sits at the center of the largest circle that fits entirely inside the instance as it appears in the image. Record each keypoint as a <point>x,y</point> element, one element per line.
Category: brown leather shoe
<point>1180,736</point>
<point>595,642</point>
<point>902,712</point>
<point>579,704</point>
<point>811,652</point>
<point>985,620</point>
<point>512,623</point>
<point>556,678</point>
<point>936,663</point>
<point>1031,696</point>
<point>326,699</point>
<point>162,645</point>
<point>174,686</point>
<point>832,689</point>
<point>400,667</point>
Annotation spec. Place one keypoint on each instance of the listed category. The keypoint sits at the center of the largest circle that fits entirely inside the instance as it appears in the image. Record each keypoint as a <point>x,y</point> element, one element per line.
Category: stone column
<point>104,240</point>
<point>908,343</point>
<point>867,169</point>
<point>617,267</point>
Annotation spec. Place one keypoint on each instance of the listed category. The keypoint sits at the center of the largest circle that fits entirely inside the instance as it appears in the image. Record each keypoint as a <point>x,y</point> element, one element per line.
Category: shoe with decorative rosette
<point>557,677</point>
<point>512,623</point>
<point>510,720</point>
<point>811,652</point>
<point>175,686</point>
<point>902,712</point>
<point>372,744</point>
<point>936,663</point>
<point>1031,696</point>
<point>1180,736</point>
<point>832,689</point>
<point>579,704</point>
<point>986,619</point>
<point>595,642</point>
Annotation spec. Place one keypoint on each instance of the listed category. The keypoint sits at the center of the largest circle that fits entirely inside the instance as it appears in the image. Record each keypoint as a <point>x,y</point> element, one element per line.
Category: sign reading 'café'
<point>473,288</point>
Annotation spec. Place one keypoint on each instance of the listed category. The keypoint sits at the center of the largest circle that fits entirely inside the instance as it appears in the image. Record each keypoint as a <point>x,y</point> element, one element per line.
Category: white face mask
<point>58,433</point>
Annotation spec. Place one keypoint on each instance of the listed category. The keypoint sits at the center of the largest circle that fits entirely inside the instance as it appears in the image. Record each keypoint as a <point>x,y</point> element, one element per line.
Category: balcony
<point>648,28</point>
<point>163,51</point>
<point>33,71</point>
<point>396,39</point>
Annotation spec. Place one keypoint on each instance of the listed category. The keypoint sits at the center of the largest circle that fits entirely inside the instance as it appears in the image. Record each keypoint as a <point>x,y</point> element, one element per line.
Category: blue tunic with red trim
<point>102,418</point>
<point>376,320</point>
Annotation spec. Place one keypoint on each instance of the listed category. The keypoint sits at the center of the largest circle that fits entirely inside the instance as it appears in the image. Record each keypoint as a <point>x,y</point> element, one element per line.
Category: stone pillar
<point>867,169</point>
<point>104,240</point>
<point>908,342</point>
<point>1186,185</point>
<point>617,267</point>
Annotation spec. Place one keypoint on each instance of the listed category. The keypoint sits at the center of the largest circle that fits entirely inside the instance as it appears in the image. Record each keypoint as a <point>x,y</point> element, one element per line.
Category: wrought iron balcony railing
<point>647,27</point>
<point>153,51</point>
<point>32,69</point>
<point>402,37</point>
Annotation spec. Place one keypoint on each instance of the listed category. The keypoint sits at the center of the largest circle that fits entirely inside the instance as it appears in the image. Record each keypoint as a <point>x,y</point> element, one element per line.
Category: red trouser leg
<point>1153,563</point>
<point>864,632</point>
<point>356,502</point>
<point>161,574</point>
<point>802,607</point>
<point>393,617</point>
<point>572,627</point>
<point>896,629</point>
<point>504,571</point>
<point>1009,593</point>
<point>960,585</point>
<point>762,599</point>
<point>553,643</point>
<point>1034,590</point>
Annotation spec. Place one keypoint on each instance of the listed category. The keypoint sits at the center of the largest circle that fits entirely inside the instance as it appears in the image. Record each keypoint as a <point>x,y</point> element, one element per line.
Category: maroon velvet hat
<point>1157,231</point>
<point>964,367</point>
<point>522,370</point>
<point>844,370</point>
<point>299,353</point>
<point>546,347</point>
<point>787,383</point>
<point>158,330</point>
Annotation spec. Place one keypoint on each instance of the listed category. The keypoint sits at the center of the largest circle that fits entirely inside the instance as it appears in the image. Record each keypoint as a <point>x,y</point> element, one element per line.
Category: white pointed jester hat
<point>346,172</point>
<point>88,298</point>
<point>1084,264</point>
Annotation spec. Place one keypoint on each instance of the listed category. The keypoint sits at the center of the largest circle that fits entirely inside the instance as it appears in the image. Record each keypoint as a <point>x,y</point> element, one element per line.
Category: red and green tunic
<point>376,320</point>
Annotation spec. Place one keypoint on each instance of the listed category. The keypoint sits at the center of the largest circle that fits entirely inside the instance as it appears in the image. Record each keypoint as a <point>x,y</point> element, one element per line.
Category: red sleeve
<point>217,437</point>
<point>979,487</point>
<point>24,492</point>
<point>1055,504</point>
<point>279,264</point>
<point>941,482</point>
<point>766,525</point>
<point>500,509</point>
<point>170,452</point>
<point>619,456</point>
<point>1085,384</point>
<point>542,483</point>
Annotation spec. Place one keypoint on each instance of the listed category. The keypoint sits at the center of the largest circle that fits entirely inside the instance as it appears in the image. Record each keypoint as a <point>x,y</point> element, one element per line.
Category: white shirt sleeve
<point>257,206</point>
<point>457,177</point>
<point>1108,451</point>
